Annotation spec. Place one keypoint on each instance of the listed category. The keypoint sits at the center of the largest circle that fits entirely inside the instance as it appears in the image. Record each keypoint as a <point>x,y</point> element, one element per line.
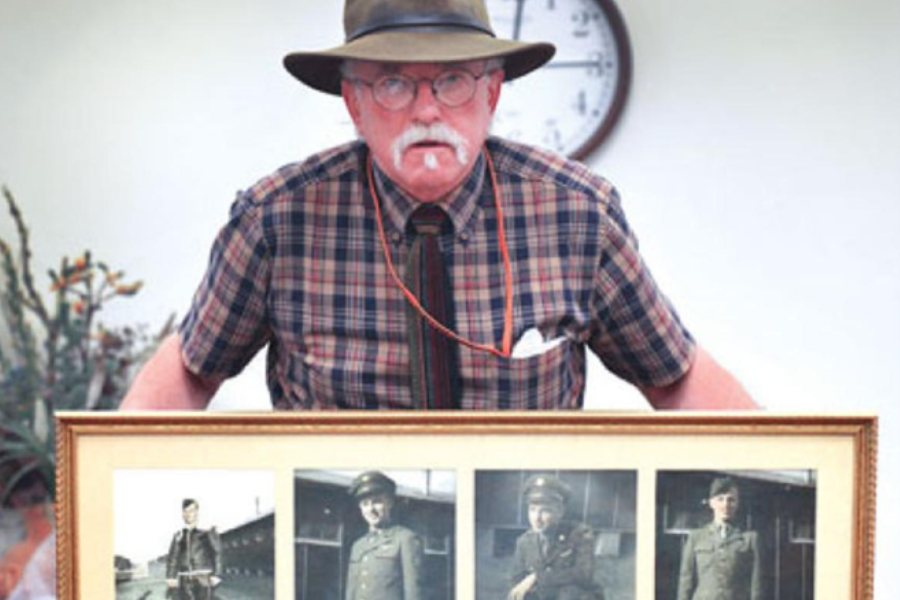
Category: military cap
<point>546,488</point>
<point>371,483</point>
<point>188,502</point>
<point>722,485</point>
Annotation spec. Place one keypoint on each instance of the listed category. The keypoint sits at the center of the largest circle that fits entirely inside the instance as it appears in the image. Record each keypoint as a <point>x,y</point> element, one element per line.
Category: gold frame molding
<point>74,427</point>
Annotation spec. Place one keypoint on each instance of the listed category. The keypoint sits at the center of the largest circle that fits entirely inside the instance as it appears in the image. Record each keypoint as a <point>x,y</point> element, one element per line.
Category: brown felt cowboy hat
<point>402,31</point>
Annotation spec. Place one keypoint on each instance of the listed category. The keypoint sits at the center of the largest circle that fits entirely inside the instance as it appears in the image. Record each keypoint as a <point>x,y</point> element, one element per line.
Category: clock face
<point>570,104</point>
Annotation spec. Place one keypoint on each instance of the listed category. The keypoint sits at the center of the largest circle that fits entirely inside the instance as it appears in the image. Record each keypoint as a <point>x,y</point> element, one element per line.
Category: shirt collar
<point>460,205</point>
<point>716,528</point>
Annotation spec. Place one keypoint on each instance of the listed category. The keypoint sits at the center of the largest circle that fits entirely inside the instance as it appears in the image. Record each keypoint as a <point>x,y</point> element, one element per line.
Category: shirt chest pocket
<point>550,380</point>
<point>566,558</point>
<point>388,550</point>
<point>704,553</point>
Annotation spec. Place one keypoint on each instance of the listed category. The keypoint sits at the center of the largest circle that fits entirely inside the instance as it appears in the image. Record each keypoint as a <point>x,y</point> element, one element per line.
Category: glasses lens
<point>454,88</point>
<point>394,91</point>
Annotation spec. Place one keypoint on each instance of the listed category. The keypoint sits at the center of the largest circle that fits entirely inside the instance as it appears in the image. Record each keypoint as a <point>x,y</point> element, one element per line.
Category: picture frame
<point>826,462</point>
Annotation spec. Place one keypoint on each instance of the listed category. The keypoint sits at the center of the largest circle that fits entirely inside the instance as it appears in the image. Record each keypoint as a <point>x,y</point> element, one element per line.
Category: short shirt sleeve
<point>228,322</point>
<point>639,336</point>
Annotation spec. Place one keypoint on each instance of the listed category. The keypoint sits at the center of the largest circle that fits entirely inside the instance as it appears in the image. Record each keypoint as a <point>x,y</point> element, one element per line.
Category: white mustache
<point>437,132</point>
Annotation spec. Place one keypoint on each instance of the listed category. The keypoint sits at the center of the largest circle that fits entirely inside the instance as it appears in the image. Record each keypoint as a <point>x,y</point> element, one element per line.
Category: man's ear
<point>494,85</point>
<point>351,101</point>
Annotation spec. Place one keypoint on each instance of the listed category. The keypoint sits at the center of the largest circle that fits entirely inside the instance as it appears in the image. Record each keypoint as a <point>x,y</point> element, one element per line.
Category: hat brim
<point>321,70</point>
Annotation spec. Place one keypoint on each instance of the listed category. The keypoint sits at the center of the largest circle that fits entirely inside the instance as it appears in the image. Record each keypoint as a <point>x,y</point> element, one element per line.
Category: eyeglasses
<point>451,88</point>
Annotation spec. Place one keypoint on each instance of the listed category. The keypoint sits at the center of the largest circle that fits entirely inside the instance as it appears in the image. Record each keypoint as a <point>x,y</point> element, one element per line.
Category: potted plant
<point>55,354</point>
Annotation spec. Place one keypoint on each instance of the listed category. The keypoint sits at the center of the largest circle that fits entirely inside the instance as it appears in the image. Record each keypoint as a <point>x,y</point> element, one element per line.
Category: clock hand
<point>517,24</point>
<point>565,64</point>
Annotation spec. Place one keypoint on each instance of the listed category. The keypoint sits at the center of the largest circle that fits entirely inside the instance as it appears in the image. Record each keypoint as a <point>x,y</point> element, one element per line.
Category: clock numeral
<point>597,66</point>
<point>552,138</point>
<point>557,140</point>
<point>551,4</point>
<point>582,103</point>
<point>581,20</point>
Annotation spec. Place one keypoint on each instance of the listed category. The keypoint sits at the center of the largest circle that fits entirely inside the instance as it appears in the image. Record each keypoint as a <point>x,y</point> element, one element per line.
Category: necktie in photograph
<point>433,356</point>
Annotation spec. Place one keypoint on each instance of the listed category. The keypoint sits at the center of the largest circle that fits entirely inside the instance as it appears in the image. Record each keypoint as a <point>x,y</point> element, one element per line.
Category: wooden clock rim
<point>623,82</point>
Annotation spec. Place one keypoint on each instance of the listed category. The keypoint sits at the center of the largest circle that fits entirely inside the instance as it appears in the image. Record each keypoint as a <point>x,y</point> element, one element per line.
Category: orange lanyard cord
<point>506,349</point>
<point>507,266</point>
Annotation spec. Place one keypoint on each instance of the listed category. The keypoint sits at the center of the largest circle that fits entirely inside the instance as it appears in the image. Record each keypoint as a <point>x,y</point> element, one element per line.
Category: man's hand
<point>172,583</point>
<point>521,589</point>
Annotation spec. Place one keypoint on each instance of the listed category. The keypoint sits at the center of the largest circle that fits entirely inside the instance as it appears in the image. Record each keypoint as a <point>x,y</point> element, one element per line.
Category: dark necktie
<point>433,356</point>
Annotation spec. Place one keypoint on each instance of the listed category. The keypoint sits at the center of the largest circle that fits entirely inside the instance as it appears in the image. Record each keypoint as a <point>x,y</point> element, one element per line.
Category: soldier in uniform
<point>386,563</point>
<point>194,562</point>
<point>555,558</point>
<point>719,561</point>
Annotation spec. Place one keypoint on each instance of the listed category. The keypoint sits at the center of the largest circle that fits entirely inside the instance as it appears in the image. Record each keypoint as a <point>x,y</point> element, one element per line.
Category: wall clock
<point>572,103</point>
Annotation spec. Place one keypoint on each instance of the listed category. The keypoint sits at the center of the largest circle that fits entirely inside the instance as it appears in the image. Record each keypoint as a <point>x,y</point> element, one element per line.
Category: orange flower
<point>129,290</point>
<point>79,307</point>
<point>80,263</point>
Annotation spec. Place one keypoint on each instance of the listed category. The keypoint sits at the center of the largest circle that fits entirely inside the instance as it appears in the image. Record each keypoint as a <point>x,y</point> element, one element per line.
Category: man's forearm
<point>165,383</point>
<point>706,386</point>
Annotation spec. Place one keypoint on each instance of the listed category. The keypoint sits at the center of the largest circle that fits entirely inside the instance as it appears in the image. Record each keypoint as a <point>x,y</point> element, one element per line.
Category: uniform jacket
<point>386,565</point>
<point>565,569</point>
<point>713,568</point>
<point>192,550</point>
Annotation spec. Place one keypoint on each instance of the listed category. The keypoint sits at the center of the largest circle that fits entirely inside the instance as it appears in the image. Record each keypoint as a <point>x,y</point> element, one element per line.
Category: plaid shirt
<point>299,266</point>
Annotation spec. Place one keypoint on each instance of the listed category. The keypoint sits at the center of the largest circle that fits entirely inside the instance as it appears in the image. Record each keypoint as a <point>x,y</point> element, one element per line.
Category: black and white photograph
<point>735,535</point>
<point>555,535</point>
<point>375,534</point>
<point>194,534</point>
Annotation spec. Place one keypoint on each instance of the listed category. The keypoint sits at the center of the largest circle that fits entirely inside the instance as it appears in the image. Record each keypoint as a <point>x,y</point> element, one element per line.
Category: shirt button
<point>464,237</point>
<point>396,237</point>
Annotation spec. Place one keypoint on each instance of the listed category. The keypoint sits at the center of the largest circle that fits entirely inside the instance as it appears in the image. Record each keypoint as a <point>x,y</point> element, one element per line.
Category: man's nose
<point>426,108</point>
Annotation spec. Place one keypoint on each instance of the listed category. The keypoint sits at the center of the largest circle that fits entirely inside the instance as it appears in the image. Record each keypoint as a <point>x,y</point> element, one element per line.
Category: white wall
<point>757,158</point>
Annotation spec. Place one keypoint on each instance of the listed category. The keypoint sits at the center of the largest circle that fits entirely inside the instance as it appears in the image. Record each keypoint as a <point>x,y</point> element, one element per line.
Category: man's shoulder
<point>573,532</point>
<point>706,532</point>
<point>526,540</point>
<point>702,531</point>
<point>525,163</point>
<point>576,528</point>
<point>403,533</point>
<point>334,164</point>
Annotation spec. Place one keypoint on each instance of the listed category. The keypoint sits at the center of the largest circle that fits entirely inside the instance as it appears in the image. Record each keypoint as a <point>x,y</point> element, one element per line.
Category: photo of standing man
<point>374,534</point>
<point>194,562</point>
<point>720,561</point>
<point>386,563</point>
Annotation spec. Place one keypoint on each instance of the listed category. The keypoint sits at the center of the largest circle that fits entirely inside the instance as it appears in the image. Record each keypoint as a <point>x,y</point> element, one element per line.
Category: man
<point>406,269</point>
<point>555,559</point>
<point>386,563</point>
<point>194,562</point>
<point>719,561</point>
